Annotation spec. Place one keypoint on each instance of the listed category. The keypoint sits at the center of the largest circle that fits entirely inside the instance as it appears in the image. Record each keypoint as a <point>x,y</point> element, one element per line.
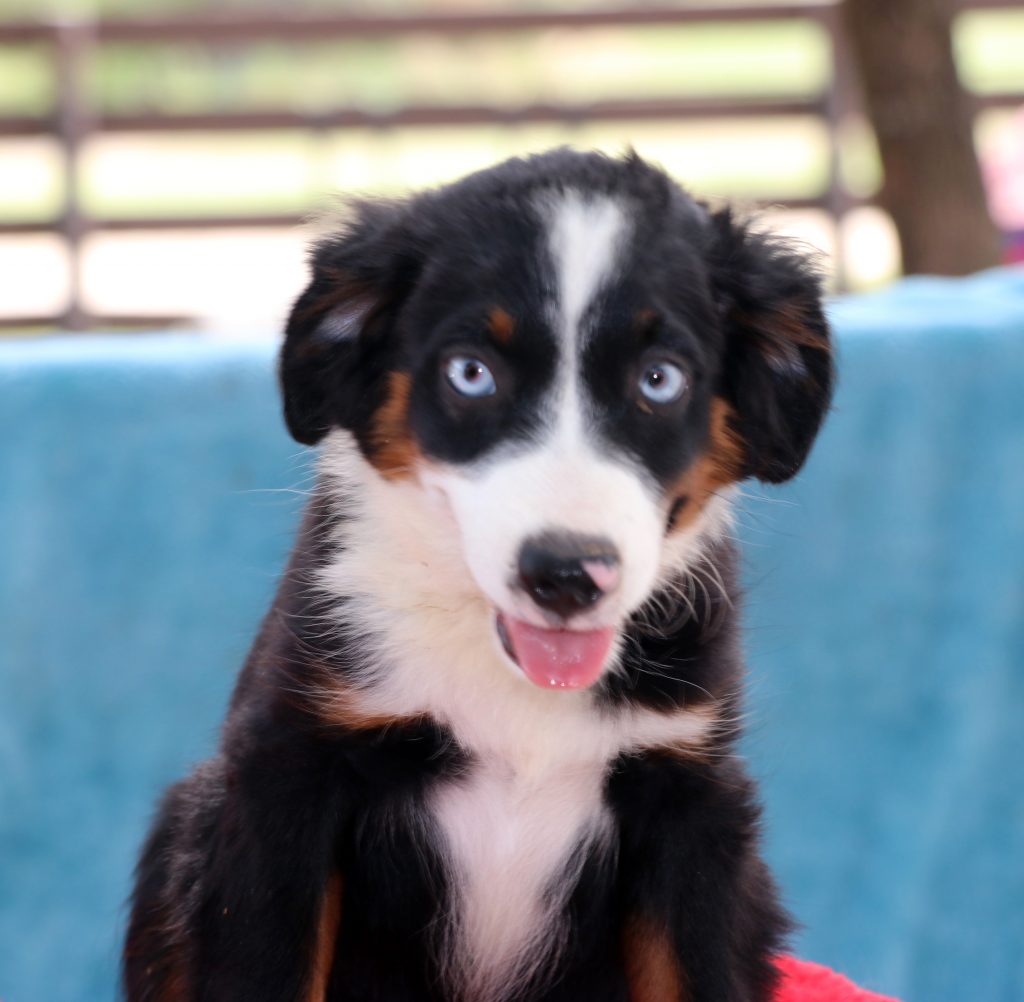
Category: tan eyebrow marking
<point>645,319</point>
<point>501,324</point>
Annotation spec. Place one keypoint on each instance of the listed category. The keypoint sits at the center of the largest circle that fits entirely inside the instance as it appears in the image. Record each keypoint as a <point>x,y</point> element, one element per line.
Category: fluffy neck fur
<point>519,821</point>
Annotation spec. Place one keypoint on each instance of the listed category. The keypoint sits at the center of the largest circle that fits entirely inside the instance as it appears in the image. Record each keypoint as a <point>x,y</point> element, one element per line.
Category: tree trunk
<point>923,122</point>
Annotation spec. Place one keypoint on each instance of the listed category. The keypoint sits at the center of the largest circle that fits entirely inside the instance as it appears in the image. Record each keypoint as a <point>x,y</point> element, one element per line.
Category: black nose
<point>566,574</point>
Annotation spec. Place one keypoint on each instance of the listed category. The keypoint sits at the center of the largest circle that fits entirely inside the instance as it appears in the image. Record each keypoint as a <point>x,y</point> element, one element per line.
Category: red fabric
<point>806,982</point>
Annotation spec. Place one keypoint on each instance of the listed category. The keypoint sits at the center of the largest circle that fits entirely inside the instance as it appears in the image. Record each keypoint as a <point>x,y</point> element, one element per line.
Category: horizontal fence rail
<point>71,44</point>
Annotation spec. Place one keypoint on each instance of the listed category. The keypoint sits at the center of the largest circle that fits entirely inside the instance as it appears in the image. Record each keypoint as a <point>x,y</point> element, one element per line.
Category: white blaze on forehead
<point>584,238</point>
<point>566,478</point>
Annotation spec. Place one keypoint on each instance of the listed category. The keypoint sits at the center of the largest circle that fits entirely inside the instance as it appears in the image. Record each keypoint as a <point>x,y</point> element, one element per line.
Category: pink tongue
<point>560,659</point>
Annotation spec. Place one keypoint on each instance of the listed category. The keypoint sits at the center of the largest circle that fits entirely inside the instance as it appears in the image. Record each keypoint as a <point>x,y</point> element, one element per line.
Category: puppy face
<point>576,359</point>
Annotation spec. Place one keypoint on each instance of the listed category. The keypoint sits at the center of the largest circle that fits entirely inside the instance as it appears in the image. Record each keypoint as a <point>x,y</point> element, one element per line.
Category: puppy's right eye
<point>663,382</point>
<point>469,376</point>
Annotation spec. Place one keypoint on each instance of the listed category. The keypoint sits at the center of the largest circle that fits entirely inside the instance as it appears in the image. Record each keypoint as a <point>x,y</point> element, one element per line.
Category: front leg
<point>237,893</point>
<point>701,916</point>
<point>271,891</point>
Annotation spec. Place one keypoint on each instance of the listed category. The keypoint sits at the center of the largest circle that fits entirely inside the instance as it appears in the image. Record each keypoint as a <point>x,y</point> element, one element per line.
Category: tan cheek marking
<point>720,465</point>
<point>393,450</point>
<point>501,325</point>
<point>653,973</point>
<point>326,940</point>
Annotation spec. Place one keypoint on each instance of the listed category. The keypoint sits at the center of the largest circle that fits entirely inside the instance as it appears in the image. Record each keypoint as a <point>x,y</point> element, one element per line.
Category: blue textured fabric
<point>147,504</point>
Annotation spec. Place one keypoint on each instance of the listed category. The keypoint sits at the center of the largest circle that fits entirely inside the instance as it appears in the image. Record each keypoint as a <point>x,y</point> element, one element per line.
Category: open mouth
<point>556,659</point>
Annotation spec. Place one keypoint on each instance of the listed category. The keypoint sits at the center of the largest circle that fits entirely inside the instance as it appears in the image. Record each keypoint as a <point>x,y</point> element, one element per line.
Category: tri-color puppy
<point>484,746</point>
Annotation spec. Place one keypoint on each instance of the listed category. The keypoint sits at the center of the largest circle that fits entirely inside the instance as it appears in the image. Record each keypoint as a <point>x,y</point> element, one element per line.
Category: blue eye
<point>663,383</point>
<point>469,376</point>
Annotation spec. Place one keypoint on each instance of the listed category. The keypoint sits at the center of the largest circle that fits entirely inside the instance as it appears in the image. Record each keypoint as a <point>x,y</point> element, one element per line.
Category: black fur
<point>231,882</point>
<point>741,311</point>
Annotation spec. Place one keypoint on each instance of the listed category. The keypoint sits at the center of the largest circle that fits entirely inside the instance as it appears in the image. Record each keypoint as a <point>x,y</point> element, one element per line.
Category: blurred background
<point>159,161</point>
<point>157,155</point>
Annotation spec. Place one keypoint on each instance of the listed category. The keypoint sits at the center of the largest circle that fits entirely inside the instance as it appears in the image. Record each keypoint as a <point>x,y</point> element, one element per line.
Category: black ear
<point>336,339</point>
<point>778,371</point>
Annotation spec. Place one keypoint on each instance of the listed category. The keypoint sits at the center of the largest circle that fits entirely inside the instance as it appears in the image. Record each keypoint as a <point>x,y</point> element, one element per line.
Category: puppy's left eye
<point>470,377</point>
<point>663,382</point>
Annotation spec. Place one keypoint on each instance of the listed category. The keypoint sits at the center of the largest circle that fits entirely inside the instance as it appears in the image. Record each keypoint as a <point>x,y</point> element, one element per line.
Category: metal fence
<point>71,44</point>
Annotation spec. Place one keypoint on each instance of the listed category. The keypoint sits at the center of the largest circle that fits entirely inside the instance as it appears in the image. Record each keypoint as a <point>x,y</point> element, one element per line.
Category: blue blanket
<point>148,494</point>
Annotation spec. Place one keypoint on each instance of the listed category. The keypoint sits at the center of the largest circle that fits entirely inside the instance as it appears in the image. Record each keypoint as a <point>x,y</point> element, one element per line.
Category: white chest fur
<point>516,842</point>
<point>519,824</point>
